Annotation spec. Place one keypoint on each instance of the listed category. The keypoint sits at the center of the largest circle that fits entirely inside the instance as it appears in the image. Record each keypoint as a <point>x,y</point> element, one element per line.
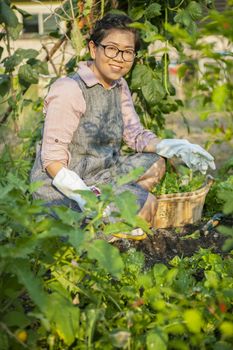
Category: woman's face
<point>109,69</point>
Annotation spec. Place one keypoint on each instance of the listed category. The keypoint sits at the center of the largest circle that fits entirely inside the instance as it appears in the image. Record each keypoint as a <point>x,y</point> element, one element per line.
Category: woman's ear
<point>92,49</point>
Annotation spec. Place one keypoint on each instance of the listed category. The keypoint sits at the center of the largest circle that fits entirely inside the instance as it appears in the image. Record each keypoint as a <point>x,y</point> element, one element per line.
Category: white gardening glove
<point>194,156</point>
<point>67,181</point>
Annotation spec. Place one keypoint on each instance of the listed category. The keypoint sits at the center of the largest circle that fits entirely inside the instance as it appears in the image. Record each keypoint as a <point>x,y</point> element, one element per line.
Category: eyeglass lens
<point>112,52</point>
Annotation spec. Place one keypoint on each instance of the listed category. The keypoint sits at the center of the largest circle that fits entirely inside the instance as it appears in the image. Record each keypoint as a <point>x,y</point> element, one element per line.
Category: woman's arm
<point>53,168</point>
<point>135,135</point>
<point>64,106</point>
<point>151,146</point>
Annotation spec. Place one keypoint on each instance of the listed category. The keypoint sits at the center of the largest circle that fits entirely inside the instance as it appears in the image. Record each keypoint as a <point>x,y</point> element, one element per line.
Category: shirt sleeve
<point>63,107</point>
<point>135,136</point>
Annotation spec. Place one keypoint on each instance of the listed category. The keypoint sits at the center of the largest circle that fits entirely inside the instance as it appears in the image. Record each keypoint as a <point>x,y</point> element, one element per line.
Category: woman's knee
<point>149,209</point>
<point>153,175</point>
<point>161,166</point>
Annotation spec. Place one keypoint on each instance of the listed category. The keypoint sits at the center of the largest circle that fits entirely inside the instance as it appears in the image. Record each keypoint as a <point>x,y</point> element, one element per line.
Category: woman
<point>87,117</point>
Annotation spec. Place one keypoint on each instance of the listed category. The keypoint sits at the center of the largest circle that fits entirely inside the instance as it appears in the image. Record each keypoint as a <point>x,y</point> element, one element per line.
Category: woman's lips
<point>115,68</point>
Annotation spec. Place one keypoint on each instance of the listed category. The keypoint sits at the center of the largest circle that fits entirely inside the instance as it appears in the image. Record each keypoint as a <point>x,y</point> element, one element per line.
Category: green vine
<point>176,7</point>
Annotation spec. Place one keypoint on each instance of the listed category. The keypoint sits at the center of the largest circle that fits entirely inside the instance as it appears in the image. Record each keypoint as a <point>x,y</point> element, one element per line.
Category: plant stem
<point>102,8</point>
<point>166,57</point>
<point>176,7</point>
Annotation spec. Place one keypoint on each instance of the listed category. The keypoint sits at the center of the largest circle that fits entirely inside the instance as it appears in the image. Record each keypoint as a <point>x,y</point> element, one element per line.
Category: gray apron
<point>95,148</point>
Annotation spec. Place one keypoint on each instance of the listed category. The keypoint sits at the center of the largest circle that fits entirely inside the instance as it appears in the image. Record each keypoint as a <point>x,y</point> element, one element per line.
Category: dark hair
<point>113,21</point>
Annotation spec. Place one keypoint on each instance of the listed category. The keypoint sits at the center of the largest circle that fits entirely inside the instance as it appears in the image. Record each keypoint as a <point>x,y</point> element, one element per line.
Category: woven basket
<point>179,209</point>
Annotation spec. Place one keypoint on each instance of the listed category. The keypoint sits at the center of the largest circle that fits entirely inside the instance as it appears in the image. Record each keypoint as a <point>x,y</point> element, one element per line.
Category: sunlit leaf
<point>219,96</point>
<point>194,321</point>
<point>157,339</point>
<point>107,256</point>
<point>127,205</point>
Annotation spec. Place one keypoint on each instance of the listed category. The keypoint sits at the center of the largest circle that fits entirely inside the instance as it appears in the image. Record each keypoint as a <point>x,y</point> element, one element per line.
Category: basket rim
<point>200,191</point>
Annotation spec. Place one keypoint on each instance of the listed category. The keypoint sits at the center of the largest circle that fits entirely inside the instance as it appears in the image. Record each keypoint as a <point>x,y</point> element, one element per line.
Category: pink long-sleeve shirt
<point>65,105</point>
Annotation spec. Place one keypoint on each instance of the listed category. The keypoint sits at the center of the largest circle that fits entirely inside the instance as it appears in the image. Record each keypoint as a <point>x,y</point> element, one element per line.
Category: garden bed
<point>165,244</point>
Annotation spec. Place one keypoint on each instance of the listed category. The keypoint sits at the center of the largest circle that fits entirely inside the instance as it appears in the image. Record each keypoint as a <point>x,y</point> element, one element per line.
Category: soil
<point>164,244</point>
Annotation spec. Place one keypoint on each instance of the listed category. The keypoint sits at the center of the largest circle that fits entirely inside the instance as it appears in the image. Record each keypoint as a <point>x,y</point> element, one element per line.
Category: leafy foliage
<point>62,288</point>
<point>179,180</point>
<point>215,199</point>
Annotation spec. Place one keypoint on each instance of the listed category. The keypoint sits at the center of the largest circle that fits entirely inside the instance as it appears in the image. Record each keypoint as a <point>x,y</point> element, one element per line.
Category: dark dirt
<point>165,244</point>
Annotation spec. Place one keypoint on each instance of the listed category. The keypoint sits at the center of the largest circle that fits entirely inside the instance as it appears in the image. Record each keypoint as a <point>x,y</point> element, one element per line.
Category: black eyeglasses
<point>111,51</point>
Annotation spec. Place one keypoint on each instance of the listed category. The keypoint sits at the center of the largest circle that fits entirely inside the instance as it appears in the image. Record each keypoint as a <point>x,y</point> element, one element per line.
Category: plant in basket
<point>181,196</point>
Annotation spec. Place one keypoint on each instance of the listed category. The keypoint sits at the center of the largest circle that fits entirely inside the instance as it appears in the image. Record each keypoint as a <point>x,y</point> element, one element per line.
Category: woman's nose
<point>119,56</point>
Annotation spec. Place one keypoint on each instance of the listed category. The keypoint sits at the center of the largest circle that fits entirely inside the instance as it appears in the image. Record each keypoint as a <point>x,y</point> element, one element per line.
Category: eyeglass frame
<point>118,50</point>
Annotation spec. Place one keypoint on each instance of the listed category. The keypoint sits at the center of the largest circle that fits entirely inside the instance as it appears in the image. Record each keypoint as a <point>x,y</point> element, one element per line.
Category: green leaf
<point>228,244</point>
<point>153,91</point>
<point>136,13</point>
<point>107,256</point>
<point>93,315</point>
<point>27,75</point>
<point>144,225</point>
<point>64,315</point>
<point>219,96</point>
<point>15,31</point>
<point>193,320</point>
<point>153,10</point>
<point>157,339</point>
<point>4,340</point>
<point>222,345</point>
<point>39,66</point>
<point>77,239</point>
<point>141,75</point>
<point>1,51</point>
<point>134,261</point>
<point>195,10</point>
<point>160,270</point>
<point>138,25</point>
<point>212,280</point>
<point>127,205</point>
<point>225,230</point>
<point>11,62</point>
<point>179,34</point>
<point>117,227</point>
<point>226,329</point>
<point>16,318</point>
<point>34,285</point>
<point>57,307</point>
<point>7,15</point>
<point>87,7</point>
<point>66,215</point>
<point>26,53</point>
<point>183,17</point>
<point>150,33</point>
<point>133,175</point>
<point>4,84</point>
<point>22,12</point>
<point>19,55</point>
<point>34,186</point>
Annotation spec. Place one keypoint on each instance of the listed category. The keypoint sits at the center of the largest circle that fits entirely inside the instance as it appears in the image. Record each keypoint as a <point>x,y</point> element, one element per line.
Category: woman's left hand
<point>194,156</point>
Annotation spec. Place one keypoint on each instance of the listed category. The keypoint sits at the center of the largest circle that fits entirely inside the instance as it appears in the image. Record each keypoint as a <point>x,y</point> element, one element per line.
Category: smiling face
<point>109,69</point>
